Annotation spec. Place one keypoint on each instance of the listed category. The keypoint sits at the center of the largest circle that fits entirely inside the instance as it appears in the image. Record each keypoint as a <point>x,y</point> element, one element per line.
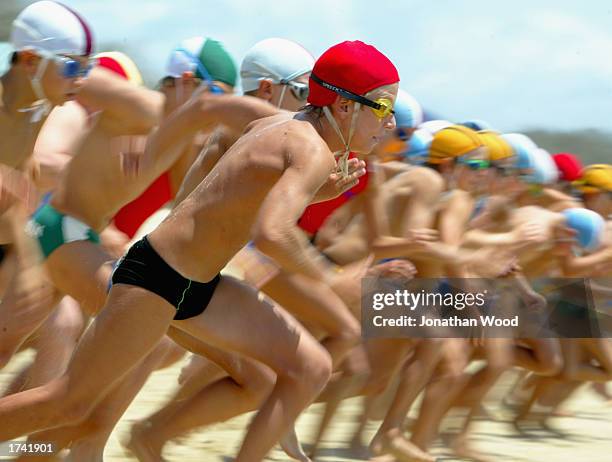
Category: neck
<point>17,91</point>
<point>326,131</point>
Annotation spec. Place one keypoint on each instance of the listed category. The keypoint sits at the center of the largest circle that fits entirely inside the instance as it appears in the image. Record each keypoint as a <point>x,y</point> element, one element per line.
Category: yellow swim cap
<point>595,178</point>
<point>498,147</point>
<point>453,141</point>
<point>120,64</point>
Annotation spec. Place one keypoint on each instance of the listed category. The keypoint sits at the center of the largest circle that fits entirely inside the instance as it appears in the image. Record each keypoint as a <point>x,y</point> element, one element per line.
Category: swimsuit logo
<point>34,229</point>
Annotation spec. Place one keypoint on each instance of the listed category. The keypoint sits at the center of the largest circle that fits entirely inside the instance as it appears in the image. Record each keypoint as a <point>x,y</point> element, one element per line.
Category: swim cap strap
<point>42,106</point>
<point>282,96</point>
<point>343,158</point>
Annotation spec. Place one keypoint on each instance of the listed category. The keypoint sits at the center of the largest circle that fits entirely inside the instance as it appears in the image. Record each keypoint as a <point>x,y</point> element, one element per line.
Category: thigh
<point>82,269</point>
<point>130,325</point>
<point>313,302</point>
<point>239,320</point>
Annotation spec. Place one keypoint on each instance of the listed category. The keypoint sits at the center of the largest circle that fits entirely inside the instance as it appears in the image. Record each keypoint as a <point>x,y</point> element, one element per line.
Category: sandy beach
<point>585,437</point>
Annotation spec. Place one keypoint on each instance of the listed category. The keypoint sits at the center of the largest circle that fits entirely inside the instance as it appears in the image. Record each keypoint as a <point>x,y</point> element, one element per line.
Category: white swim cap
<point>434,126</point>
<point>544,168</point>
<point>408,111</point>
<point>276,59</point>
<point>53,28</point>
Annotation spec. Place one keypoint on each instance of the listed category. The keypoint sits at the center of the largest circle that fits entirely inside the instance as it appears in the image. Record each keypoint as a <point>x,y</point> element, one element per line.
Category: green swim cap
<point>202,55</point>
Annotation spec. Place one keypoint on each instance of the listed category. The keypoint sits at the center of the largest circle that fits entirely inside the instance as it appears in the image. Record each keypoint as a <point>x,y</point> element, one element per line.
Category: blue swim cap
<point>408,112</point>
<point>477,125</point>
<point>418,147</point>
<point>524,149</point>
<point>588,224</point>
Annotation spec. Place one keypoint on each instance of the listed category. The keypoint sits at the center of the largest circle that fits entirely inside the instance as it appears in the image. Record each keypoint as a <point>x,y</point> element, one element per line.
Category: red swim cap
<point>569,166</point>
<point>353,66</point>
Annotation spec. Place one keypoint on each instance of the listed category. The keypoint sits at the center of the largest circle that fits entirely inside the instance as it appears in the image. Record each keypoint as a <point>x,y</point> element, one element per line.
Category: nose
<point>390,122</point>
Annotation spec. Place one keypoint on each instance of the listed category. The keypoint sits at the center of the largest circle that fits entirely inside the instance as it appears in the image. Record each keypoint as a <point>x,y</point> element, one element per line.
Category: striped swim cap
<point>588,224</point>
<point>418,150</point>
<point>523,147</point>
<point>453,141</point>
<point>53,28</point>
<point>434,126</point>
<point>120,64</point>
<point>408,111</point>
<point>202,56</point>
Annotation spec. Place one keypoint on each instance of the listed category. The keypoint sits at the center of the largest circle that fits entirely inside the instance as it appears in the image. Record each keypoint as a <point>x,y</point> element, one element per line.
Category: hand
<point>336,184</point>
<point>400,269</point>
<point>530,233</point>
<point>130,150</point>
<point>346,282</point>
<point>534,301</point>
<point>422,238</point>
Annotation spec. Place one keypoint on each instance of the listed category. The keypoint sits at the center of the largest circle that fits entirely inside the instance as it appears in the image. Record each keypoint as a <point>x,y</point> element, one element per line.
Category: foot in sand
<point>292,447</point>
<point>393,443</point>
<point>139,446</point>
<point>463,450</point>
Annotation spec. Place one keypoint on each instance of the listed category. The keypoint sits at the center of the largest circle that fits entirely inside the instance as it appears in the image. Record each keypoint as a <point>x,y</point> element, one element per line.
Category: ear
<point>340,107</point>
<point>187,78</point>
<point>28,60</point>
<point>265,90</point>
<point>446,165</point>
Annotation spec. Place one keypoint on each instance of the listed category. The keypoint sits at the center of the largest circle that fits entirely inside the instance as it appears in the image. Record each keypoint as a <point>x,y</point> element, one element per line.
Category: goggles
<point>381,107</point>
<point>474,164</point>
<point>506,171</point>
<point>212,87</point>
<point>71,68</point>
<point>299,90</point>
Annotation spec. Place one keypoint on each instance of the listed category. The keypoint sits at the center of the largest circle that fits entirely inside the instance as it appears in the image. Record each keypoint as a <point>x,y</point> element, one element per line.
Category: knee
<point>72,408</point>
<point>350,335</point>
<point>554,366</point>
<point>311,372</point>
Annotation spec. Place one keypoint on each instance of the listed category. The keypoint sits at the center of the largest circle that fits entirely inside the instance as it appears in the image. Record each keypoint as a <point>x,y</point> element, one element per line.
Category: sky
<point>517,65</point>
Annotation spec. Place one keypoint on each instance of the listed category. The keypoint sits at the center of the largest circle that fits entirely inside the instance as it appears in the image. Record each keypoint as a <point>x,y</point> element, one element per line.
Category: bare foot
<point>393,443</point>
<point>139,446</point>
<point>292,447</point>
<point>463,450</point>
<point>561,413</point>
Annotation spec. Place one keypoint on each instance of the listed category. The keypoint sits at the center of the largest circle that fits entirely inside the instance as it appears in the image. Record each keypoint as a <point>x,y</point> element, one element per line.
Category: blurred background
<point>543,68</point>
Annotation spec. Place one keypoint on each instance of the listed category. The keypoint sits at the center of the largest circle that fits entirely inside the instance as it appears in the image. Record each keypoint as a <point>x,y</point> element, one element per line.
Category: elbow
<point>267,240</point>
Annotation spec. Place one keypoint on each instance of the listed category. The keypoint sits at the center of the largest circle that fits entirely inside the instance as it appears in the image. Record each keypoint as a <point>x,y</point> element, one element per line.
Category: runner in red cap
<point>171,277</point>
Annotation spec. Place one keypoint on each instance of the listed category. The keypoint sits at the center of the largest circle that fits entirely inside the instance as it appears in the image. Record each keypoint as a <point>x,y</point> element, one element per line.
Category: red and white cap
<point>53,28</point>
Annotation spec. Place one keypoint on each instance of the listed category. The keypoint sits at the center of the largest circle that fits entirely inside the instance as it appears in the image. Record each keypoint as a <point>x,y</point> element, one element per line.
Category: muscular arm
<point>216,145</point>
<point>59,140</point>
<point>201,113</point>
<point>588,265</point>
<point>275,232</point>
<point>127,109</point>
